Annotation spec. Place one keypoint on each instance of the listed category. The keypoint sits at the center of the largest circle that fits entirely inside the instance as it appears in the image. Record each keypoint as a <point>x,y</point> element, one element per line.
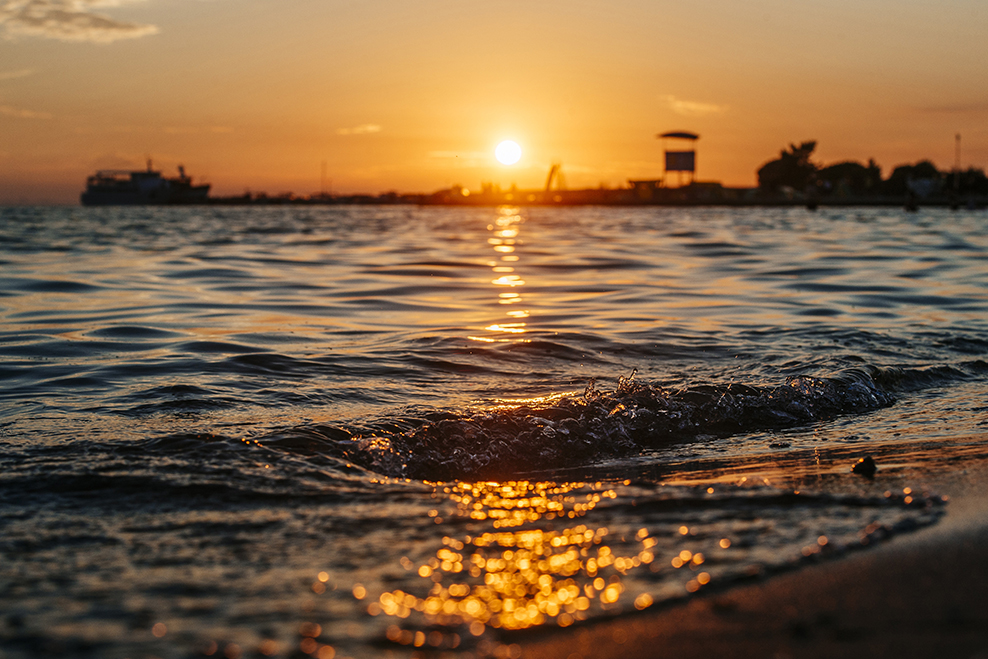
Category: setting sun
<point>507,152</point>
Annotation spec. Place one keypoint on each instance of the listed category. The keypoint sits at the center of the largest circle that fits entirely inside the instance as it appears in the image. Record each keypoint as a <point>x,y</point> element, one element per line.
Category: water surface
<point>354,431</point>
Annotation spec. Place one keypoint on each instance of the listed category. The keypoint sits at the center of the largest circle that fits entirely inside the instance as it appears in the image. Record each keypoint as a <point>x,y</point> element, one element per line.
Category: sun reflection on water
<point>504,239</point>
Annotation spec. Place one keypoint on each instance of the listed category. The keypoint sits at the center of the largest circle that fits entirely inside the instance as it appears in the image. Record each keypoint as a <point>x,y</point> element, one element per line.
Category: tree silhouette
<point>850,178</point>
<point>904,177</point>
<point>792,169</point>
<point>972,180</point>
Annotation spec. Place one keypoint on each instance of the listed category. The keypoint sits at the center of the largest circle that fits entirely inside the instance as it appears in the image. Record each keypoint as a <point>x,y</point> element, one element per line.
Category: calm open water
<point>358,431</point>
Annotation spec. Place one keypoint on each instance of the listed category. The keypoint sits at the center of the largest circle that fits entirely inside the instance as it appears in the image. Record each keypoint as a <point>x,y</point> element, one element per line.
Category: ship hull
<point>111,197</point>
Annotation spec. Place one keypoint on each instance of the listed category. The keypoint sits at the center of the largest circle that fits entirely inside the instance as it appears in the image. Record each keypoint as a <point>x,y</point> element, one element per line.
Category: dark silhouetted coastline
<point>793,179</point>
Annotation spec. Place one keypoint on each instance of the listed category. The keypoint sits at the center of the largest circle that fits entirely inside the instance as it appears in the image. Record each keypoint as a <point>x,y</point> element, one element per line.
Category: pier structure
<point>682,161</point>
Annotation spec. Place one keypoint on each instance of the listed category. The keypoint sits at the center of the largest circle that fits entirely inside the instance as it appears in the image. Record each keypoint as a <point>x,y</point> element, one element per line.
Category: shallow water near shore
<point>355,431</point>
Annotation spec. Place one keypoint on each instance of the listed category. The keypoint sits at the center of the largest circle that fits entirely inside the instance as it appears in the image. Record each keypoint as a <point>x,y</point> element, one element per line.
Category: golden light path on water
<point>516,576</point>
<point>505,230</point>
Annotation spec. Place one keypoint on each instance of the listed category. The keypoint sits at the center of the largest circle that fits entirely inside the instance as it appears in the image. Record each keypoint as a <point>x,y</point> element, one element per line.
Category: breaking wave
<point>567,430</point>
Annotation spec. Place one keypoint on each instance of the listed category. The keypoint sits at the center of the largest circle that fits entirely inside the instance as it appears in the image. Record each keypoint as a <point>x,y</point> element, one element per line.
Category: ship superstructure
<point>120,187</point>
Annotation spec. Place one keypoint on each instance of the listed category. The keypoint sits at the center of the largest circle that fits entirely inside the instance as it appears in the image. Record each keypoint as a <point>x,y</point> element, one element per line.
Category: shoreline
<point>977,203</point>
<point>918,594</point>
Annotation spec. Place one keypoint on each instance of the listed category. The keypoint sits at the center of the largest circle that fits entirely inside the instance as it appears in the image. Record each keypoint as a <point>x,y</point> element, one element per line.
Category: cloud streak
<point>13,75</point>
<point>21,113</point>
<point>692,108</point>
<point>68,20</point>
<point>196,130</point>
<point>365,129</point>
<point>976,107</point>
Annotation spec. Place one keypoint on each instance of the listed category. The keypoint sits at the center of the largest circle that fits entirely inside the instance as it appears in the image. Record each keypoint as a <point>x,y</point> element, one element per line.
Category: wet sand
<point>917,595</point>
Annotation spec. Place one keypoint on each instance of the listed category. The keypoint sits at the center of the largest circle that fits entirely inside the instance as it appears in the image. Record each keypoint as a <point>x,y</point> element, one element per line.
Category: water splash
<point>570,430</point>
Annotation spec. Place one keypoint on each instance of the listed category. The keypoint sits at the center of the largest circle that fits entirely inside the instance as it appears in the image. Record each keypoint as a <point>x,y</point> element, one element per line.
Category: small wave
<point>912,379</point>
<point>190,467</point>
<point>967,345</point>
<point>219,347</point>
<point>185,405</point>
<point>47,285</point>
<point>572,430</point>
<point>219,274</point>
<point>131,332</point>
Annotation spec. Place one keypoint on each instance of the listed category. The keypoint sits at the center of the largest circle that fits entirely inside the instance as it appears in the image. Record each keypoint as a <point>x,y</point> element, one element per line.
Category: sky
<point>414,95</point>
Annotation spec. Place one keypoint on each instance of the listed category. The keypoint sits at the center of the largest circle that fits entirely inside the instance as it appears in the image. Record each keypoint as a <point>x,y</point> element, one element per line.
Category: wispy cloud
<point>976,107</point>
<point>364,129</point>
<point>194,130</point>
<point>21,113</point>
<point>13,75</point>
<point>692,108</point>
<point>69,20</point>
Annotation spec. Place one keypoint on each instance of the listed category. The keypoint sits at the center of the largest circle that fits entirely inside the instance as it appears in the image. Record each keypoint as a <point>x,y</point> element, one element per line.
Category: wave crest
<point>574,430</point>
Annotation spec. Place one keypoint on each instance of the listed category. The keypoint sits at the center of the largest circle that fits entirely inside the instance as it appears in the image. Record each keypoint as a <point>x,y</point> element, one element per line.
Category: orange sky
<point>413,95</point>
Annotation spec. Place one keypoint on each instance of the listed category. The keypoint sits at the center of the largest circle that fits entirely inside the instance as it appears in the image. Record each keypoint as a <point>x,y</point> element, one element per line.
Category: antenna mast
<point>957,162</point>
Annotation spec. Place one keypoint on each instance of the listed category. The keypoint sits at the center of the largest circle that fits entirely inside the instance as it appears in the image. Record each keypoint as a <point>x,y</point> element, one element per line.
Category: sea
<point>396,431</point>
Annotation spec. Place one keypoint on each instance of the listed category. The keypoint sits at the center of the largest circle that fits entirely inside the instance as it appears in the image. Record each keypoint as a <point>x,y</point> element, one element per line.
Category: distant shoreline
<point>693,195</point>
<point>978,202</point>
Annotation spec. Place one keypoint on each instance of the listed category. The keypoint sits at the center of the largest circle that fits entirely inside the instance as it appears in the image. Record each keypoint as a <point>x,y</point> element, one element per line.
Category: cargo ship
<point>111,187</point>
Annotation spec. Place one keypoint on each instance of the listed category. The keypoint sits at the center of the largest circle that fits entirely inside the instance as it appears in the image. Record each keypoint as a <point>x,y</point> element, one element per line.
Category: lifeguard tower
<point>679,160</point>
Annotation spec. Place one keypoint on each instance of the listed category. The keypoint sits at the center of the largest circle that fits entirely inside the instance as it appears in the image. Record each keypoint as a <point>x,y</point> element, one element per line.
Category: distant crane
<point>555,172</point>
<point>957,162</point>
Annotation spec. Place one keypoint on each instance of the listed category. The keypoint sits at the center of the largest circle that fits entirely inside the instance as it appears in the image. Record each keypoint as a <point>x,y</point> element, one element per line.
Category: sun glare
<point>507,152</point>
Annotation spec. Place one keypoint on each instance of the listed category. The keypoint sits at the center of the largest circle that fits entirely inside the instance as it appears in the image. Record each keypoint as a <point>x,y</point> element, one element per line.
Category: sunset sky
<point>413,95</point>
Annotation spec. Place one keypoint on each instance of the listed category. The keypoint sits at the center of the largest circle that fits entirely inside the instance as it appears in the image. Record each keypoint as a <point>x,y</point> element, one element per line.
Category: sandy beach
<point>918,594</point>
